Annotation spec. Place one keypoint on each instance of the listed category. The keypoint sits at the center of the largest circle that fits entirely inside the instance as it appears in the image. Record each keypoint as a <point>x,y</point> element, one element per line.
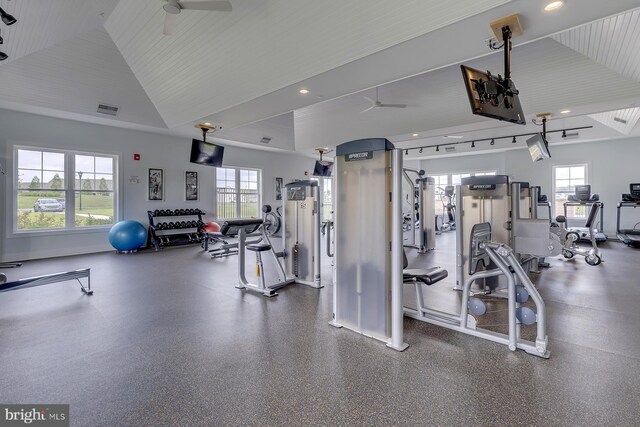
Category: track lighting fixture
<point>6,18</point>
<point>473,144</point>
<point>437,148</point>
<point>514,140</point>
<point>493,142</point>
<point>420,151</point>
<point>1,39</point>
<point>564,133</point>
<point>3,56</point>
<point>406,152</point>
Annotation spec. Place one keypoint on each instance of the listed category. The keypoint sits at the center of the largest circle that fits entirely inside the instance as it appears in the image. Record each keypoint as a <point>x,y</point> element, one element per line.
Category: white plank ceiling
<point>549,75</point>
<point>613,42</point>
<point>218,60</point>
<point>623,121</point>
<point>45,23</point>
<point>77,75</point>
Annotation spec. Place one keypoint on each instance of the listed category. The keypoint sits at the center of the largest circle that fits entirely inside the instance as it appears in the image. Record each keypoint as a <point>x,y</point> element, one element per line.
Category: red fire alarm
<point>136,157</point>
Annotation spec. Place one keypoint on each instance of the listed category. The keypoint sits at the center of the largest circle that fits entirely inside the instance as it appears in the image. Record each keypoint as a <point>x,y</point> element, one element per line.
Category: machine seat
<point>561,219</point>
<point>428,277</point>
<point>258,247</point>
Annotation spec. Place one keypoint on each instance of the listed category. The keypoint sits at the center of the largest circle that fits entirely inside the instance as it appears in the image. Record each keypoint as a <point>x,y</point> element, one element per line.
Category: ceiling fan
<point>174,7</point>
<point>378,104</point>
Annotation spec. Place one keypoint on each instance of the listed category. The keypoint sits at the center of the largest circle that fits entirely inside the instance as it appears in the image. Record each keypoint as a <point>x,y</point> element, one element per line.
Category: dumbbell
<point>183,224</point>
<point>171,225</point>
<point>156,212</point>
<point>159,226</point>
<point>198,211</point>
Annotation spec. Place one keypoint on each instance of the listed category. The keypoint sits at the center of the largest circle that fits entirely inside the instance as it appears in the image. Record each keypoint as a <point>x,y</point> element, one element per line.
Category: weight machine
<point>369,267</point>
<point>422,217</point>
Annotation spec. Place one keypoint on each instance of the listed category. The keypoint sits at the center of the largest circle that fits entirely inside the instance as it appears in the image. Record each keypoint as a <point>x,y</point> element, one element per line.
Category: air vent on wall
<point>107,109</point>
<point>265,140</point>
<point>449,149</point>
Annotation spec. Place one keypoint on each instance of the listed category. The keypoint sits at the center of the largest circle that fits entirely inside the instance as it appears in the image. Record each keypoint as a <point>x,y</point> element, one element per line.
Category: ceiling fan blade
<point>169,24</point>
<point>219,6</point>
<point>393,105</point>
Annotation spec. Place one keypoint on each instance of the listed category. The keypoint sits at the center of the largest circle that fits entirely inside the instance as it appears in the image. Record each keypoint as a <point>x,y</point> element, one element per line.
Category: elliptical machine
<point>447,220</point>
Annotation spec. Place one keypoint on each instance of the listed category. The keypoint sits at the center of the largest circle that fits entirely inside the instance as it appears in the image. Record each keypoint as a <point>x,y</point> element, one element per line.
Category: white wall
<point>157,151</point>
<point>612,165</point>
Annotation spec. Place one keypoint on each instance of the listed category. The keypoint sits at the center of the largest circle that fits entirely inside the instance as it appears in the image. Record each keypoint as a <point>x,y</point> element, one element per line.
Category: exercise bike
<point>447,220</point>
<point>569,237</point>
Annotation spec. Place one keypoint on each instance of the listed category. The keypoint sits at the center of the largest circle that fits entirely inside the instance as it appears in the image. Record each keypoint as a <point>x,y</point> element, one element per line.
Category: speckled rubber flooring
<point>167,340</point>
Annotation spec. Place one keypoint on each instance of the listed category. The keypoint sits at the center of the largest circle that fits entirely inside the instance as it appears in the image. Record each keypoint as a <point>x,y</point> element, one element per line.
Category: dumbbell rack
<point>177,234</point>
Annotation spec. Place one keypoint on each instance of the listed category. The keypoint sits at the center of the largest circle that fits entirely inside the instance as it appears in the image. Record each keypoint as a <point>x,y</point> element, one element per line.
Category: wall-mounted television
<point>322,168</point>
<point>205,153</point>
<point>538,147</point>
<point>492,97</point>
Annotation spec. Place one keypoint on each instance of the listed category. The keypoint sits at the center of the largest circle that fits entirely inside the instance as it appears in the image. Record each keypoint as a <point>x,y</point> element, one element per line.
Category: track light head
<point>473,144</point>
<point>420,151</point>
<point>406,152</point>
<point>6,18</point>
<point>3,56</point>
<point>564,133</point>
<point>514,140</point>
<point>437,148</point>
<point>493,142</point>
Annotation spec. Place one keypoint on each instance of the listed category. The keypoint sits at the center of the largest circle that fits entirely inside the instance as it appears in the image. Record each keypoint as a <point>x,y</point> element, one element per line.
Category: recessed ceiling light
<point>414,134</point>
<point>303,91</point>
<point>565,111</point>
<point>554,5</point>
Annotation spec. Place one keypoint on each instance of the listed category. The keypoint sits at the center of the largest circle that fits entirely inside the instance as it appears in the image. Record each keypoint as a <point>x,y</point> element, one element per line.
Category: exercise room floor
<point>167,340</point>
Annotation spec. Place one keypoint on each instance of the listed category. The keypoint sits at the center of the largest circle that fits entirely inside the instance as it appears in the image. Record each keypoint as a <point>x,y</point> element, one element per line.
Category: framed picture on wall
<point>156,184</point>
<point>191,185</point>
<point>278,187</point>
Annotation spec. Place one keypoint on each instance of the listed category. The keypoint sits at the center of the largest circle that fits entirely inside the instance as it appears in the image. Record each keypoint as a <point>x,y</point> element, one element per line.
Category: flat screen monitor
<point>582,192</point>
<point>538,147</point>
<point>634,189</point>
<point>489,96</point>
<point>205,153</point>
<point>322,168</point>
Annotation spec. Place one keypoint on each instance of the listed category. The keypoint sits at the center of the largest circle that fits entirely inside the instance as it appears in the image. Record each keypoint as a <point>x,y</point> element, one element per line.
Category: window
<point>44,199</point>
<point>565,179</point>
<point>441,181</point>
<point>456,179</point>
<point>237,193</point>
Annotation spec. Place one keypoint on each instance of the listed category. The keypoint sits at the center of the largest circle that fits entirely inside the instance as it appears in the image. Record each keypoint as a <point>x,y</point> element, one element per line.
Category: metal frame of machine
<point>369,275</point>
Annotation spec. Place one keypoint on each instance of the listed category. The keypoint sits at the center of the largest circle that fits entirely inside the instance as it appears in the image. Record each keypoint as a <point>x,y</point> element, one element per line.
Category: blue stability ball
<point>127,235</point>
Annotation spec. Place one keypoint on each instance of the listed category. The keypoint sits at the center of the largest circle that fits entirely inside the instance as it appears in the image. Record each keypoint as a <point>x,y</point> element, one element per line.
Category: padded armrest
<point>428,277</point>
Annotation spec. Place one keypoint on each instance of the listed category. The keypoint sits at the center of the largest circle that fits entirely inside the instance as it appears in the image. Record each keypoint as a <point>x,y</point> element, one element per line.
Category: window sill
<point>59,232</point>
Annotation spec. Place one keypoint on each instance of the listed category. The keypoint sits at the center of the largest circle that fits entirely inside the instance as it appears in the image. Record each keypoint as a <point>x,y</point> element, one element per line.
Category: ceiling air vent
<point>449,149</point>
<point>619,120</point>
<point>265,140</point>
<point>107,109</point>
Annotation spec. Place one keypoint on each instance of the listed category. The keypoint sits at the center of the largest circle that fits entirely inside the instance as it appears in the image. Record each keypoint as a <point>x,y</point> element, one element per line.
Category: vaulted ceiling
<point>242,70</point>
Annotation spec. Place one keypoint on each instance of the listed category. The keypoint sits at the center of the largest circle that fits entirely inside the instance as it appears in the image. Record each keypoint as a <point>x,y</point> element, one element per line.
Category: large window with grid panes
<point>238,193</point>
<point>63,190</point>
<point>565,179</point>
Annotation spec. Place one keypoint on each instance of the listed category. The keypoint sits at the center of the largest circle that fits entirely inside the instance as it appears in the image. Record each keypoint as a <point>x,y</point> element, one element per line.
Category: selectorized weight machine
<point>369,274</point>
<point>300,238</point>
